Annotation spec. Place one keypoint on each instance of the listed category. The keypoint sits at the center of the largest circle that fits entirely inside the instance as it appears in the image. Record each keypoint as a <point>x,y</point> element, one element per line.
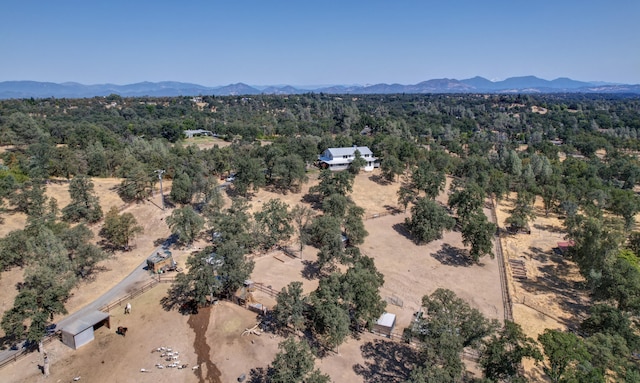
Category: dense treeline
<point>575,153</point>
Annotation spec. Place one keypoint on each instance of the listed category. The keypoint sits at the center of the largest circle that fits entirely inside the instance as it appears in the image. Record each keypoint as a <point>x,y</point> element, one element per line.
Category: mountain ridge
<point>521,84</point>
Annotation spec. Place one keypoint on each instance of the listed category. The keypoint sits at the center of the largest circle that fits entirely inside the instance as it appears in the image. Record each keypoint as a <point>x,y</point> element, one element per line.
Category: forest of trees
<point>579,157</point>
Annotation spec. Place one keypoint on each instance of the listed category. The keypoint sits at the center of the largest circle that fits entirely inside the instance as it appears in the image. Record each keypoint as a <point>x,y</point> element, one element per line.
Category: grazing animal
<point>144,370</point>
<point>122,331</point>
<point>127,308</point>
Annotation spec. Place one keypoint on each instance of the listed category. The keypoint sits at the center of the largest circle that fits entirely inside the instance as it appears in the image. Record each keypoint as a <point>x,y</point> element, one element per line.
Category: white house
<point>198,132</point>
<point>341,158</point>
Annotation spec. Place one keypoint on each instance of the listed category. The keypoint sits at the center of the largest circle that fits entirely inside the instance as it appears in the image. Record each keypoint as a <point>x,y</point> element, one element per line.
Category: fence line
<point>394,300</point>
<point>147,286</point>
<point>137,292</point>
<point>266,289</point>
<point>504,281</point>
<point>382,214</point>
<point>14,358</point>
<point>22,353</point>
<point>106,308</point>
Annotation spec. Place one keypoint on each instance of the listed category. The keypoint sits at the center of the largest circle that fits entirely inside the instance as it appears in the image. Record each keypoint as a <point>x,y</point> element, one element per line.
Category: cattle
<point>122,331</point>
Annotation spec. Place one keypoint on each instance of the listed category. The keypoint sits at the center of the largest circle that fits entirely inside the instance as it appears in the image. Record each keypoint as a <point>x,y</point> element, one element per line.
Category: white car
<point>230,178</point>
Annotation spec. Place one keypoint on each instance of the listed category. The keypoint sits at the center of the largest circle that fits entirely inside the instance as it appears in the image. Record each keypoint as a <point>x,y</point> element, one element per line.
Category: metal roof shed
<point>80,331</point>
<point>385,324</point>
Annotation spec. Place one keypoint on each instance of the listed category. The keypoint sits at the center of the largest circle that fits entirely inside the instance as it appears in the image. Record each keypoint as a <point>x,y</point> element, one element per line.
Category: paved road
<point>137,277</point>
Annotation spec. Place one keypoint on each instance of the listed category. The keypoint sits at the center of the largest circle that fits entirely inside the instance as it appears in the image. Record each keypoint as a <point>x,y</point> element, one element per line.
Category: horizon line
<point>315,85</point>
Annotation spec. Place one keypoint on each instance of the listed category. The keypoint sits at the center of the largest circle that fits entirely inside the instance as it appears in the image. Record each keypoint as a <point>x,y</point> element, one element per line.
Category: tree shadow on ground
<point>310,270</point>
<point>177,299</point>
<point>92,274</point>
<point>258,375</point>
<point>538,254</point>
<point>232,192</point>
<point>313,200</point>
<point>168,203</point>
<point>549,228</point>
<point>318,348</point>
<point>8,343</point>
<point>553,279</point>
<point>392,209</point>
<point>386,361</point>
<point>452,256</point>
<point>402,230</point>
<point>379,179</point>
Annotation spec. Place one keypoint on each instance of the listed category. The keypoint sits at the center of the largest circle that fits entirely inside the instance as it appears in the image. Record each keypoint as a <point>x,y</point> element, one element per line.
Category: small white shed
<point>385,324</point>
<point>80,332</point>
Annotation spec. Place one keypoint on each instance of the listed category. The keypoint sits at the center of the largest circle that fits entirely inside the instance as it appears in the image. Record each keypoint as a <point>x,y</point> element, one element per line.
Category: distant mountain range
<point>526,84</point>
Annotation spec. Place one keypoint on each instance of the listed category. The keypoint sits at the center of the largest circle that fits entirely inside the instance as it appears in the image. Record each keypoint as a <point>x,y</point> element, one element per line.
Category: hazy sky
<point>306,42</point>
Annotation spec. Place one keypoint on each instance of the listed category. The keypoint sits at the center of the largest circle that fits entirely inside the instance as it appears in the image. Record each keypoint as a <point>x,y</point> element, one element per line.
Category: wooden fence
<point>106,308</point>
<point>382,214</point>
<point>265,289</point>
<point>504,280</point>
<point>137,292</point>
<point>23,352</point>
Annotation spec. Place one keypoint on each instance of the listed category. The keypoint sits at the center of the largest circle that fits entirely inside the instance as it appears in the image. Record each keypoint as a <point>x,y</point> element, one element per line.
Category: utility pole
<point>160,173</point>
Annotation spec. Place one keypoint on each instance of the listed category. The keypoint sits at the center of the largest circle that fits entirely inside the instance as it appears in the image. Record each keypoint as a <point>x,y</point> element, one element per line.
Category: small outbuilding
<point>80,332</point>
<point>385,324</point>
<point>243,295</point>
<point>160,262</point>
<point>563,247</point>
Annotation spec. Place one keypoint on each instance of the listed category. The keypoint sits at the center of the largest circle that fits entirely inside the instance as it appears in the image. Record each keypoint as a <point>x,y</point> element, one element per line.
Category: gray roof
<point>386,320</point>
<point>84,322</point>
<point>159,257</point>
<point>197,131</point>
<point>348,151</point>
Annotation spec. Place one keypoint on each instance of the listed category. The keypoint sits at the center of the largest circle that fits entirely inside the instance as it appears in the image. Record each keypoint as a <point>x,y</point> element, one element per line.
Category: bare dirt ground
<point>412,271</point>
<point>212,338</point>
<point>114,358</point>
<point>112,270</point>
<point>205,142</point>
<point>551,295</point>
<point>374,197</point>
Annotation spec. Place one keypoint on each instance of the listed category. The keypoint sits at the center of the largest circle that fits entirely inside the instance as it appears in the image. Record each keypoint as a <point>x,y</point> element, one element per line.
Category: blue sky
<point>305,42</point>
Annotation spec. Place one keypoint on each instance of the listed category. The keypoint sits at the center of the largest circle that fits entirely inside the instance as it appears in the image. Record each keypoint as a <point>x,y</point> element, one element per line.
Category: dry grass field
<point>551,295</point>
<point>206,142</point>
<point>212,339</point>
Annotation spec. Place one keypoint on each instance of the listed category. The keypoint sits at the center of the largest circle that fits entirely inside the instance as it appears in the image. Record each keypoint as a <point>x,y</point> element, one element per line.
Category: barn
<point>385,324</point>
<point>80,332</point>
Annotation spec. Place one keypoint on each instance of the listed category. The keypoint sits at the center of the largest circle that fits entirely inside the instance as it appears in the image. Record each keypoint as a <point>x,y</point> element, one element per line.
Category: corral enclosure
<point>410,272</point>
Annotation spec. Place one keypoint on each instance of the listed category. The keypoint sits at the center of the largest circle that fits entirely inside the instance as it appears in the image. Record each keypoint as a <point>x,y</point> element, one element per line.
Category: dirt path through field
<point>208,372</point>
